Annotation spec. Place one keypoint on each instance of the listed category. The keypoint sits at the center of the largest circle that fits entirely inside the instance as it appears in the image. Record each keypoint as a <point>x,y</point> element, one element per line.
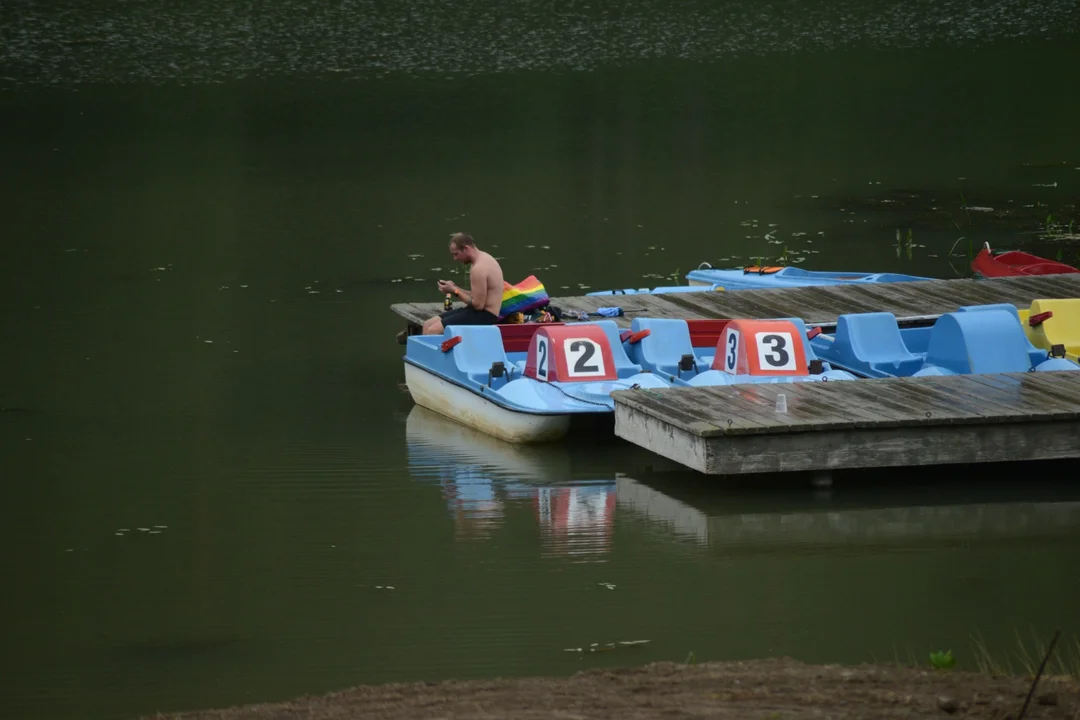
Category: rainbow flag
<point>522,297</point>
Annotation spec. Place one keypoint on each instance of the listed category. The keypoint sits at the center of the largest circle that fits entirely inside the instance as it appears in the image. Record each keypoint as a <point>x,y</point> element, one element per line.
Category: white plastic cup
<point>781,403</point>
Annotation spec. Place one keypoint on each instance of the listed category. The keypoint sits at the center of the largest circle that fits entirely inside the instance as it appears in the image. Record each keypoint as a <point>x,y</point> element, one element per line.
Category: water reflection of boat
<point>481,476</point>
<point>880,515</point>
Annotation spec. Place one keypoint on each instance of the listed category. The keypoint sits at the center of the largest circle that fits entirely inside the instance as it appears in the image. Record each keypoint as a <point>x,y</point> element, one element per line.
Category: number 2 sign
<point>761,347</point>
<point>543,351</point>
<point>570,354</point>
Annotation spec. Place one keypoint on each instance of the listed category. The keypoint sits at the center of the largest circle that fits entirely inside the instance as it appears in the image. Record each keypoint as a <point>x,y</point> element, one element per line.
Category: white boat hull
<point>455,402</point>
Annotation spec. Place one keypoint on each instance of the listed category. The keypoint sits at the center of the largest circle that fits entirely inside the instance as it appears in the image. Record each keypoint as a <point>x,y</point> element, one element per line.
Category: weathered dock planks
<point>857,424</point>
<point>821,304</point>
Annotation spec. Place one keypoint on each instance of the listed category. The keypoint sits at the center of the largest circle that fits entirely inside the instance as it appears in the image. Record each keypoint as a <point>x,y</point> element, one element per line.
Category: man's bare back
<point>486,273</point>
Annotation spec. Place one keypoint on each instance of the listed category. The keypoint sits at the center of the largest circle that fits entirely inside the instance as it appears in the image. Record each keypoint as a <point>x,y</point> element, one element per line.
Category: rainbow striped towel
<point>527,295</point>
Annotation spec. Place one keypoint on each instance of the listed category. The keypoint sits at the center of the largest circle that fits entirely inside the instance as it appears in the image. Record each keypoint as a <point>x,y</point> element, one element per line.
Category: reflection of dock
<point>709,520</point>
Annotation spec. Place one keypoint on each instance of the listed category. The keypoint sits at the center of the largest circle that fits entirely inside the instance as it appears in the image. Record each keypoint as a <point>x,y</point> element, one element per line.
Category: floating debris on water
<point>607,647</point>
<point>609,586</point>
<point>101,42</point>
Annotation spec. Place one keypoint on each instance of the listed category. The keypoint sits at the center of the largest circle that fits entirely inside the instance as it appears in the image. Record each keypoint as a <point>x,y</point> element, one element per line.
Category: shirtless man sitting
<point>482,305</point>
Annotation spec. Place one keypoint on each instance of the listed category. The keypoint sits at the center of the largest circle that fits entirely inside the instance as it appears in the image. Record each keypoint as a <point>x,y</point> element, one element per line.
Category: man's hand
<point>447,286</point>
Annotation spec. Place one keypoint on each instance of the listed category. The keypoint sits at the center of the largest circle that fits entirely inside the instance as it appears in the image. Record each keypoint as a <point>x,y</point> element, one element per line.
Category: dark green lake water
<point>210,475</point>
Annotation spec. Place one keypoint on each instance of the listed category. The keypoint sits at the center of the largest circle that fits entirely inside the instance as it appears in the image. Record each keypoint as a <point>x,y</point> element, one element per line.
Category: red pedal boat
<point>1014,263</point>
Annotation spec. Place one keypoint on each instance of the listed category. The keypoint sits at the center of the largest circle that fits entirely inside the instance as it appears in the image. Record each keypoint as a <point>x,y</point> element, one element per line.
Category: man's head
<point>462,247</point>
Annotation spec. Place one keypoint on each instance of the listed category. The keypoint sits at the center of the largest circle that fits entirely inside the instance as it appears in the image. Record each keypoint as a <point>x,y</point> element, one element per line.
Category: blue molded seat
<point>989,341</point>
<point>871,343</point>
<point>624,366</point>
<point>1036,354</point>
<point>1007,307</point>
<point>667,342</point>
<point>480,346</point>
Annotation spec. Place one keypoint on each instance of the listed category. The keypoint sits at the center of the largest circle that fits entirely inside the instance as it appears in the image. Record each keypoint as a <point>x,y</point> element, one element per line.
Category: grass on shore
<point>1024,658</point>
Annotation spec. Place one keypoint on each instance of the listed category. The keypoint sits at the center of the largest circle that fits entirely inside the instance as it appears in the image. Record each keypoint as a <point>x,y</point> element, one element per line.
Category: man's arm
<point>478,282</point>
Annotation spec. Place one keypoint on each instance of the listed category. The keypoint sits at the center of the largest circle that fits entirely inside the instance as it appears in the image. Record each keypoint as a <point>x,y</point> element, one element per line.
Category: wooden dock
<point>866,423</point>
<point>817,305</point>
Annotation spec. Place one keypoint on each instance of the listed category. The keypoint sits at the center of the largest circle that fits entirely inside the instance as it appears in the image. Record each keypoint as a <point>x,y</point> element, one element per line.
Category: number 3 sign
<point>570,354</point>
<point>761,347</point>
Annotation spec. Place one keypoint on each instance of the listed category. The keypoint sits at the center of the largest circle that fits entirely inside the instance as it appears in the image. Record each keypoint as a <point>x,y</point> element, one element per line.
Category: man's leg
<point>433,326</point>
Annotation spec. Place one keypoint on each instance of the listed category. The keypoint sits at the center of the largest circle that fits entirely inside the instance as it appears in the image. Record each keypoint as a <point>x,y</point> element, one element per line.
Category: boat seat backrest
<point>989,341</point>
<point>668,340</point>
<point>1064,326</point>
<point>624,366</point>
<point>1034,353</point>
<point>873,338</point>
<point>480,346</point>
<point>1007,307</point>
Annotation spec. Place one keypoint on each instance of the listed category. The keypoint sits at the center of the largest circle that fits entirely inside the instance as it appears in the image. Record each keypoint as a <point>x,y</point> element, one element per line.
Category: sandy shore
<point>775,688</point>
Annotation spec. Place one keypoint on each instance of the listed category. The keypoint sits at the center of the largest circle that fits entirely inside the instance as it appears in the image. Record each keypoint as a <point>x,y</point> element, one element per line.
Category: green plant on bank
<point>970,247</point>
<point>904,244</point>
<point>942,660</point>
<point>675,277</point>
<point>691,658</point>
<point>970,241</point>
<point>1025,658</point>
<point>1057,230</point>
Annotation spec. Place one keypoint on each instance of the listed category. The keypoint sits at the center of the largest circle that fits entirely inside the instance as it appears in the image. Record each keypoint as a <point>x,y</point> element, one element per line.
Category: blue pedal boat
<point>660,290</point>
<point>522,383</point>
<point>756,278</point>
<point>977,339</point>
<point>742,351</point>
<point>707,278</point>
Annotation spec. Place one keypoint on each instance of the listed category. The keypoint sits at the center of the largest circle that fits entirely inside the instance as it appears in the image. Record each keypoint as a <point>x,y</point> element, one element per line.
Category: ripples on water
<point>81,41</point>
